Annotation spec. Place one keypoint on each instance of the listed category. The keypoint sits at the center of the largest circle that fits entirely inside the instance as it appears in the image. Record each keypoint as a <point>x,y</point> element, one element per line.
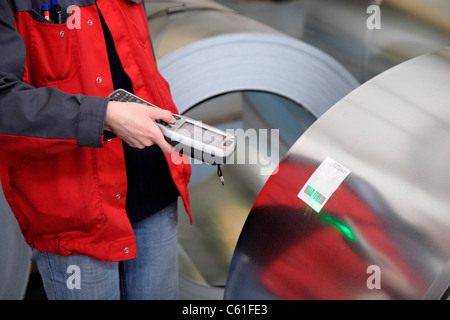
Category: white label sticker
<point>322,184</point>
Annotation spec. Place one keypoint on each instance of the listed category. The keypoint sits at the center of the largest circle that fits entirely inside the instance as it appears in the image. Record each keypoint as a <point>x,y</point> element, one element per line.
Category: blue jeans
<point>152,275</point>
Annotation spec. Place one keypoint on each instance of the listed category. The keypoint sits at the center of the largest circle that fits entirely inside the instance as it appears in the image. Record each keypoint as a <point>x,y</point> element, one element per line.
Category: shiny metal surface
<point>391,212</point>
<point>408,28</point>
<point>236,73</point>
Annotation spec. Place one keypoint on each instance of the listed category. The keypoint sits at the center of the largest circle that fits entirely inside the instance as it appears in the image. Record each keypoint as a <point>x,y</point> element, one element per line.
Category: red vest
<point>73,202</point>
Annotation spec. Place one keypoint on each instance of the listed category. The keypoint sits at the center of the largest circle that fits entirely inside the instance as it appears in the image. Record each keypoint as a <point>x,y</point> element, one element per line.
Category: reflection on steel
<point>15,255</point>
<point>407,29</point>
<point>235,73</point>
<point>388,221</point>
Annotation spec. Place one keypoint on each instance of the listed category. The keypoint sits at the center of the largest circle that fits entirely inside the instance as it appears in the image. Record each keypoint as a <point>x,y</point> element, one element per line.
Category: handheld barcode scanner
<point>190,137</point>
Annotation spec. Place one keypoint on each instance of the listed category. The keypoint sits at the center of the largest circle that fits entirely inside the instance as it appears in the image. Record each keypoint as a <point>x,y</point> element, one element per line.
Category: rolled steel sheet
<point>385,231</point>
<point>235,74</point>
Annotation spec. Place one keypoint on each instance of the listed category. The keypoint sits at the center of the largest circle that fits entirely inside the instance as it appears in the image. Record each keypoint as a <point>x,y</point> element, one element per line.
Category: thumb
<point>164,115</point>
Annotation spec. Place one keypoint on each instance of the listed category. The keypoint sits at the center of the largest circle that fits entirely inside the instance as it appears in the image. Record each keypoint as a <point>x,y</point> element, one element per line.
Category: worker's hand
<point>135,124</point>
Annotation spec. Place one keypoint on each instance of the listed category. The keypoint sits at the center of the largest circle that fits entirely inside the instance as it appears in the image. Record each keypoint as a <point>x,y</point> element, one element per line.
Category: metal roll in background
<point>404,30</point>
<point>15,263</point>
<point>235,73</point>
<point>384,233</point>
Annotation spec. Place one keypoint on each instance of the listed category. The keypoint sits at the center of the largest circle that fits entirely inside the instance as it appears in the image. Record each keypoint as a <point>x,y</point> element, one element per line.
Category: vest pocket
<point>54,56</point>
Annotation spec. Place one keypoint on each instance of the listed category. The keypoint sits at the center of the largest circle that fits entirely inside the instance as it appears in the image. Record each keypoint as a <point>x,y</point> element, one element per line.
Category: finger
<point>164,115</point>
<point>165,146</point>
